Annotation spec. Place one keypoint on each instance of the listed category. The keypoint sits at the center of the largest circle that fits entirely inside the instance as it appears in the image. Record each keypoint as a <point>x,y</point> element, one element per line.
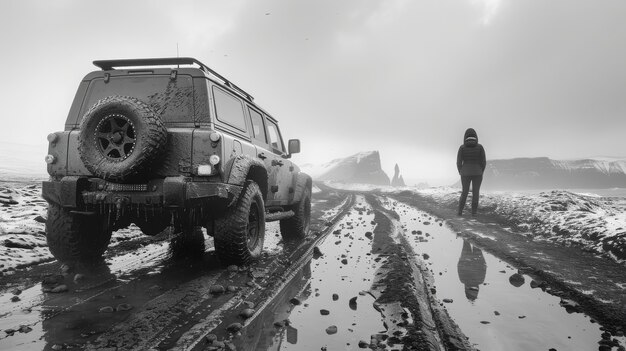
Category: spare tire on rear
<point>119,137</point>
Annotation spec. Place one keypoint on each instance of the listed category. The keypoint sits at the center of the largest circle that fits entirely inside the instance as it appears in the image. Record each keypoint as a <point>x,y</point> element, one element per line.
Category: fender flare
<point>242,168</point>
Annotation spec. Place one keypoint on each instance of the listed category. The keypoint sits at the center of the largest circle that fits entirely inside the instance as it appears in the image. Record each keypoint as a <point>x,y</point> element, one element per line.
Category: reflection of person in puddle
<point>472,269</point>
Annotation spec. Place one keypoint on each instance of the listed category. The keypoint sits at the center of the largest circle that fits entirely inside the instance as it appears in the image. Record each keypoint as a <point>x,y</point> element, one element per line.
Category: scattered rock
<point>426,223</point>
<point>247,313</point>
<point>15,299</point>
<point>14,244</point>
<point>331,330</point>
<point>335,297</point>
<point>517,280</point>
<point>25,329</point>
<point>216,289</point>
<point>368,235</point>
<point>78,278</point>
<point>235,327</point>
<point>106,309</point>
<point>485,322</point>
<point>231,288</point>
<point>40,219</point>
<point>496,313</point>
<point>9,331</point>
<point>57,347</point>
<point>249,304</point>
<point>521,317</point>
<point>317,253</point>
<point>124,307</point>
<point>344,261</point>
<point>295,301</point>
<point>59,289</point>
<point>324,312</point>
<point>211,338</point>
<point>448,300</point>
<point>352,303</point>
<point>363,344</point>
<point>426,256</point>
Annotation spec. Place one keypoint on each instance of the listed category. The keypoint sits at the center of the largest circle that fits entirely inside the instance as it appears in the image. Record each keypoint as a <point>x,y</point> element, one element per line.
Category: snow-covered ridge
<point>363,167</point>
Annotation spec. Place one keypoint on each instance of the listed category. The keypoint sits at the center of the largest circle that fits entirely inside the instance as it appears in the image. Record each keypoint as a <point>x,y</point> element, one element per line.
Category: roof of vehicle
<point>138,65</point>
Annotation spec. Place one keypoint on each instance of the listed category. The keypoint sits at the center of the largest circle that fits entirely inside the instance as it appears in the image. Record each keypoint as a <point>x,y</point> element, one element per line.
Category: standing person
<point>471,163</point>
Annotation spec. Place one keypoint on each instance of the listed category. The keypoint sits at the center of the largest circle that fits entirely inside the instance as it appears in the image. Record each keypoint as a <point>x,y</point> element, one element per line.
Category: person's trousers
<point>465,183</point>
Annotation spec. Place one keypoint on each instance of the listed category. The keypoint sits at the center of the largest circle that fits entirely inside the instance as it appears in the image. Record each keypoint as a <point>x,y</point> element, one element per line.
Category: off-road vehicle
<point>170,143</point>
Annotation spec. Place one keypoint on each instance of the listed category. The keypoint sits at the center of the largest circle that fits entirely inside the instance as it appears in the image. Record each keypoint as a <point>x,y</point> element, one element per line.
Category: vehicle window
<point>274,135</point>
<point>171,99</point>
<point>229,109</point>
<point>257,126</point>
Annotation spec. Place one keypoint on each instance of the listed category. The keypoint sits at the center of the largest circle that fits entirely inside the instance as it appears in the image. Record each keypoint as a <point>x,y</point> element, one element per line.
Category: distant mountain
<point>544,173</point>
<point>361,168</point>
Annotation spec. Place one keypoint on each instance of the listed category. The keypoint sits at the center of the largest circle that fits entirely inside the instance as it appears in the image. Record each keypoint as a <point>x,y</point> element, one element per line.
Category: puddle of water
<point>345,271</point>
<point>494,306</point>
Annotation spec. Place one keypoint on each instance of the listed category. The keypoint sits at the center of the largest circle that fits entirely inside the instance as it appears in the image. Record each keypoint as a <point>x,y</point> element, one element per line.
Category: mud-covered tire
<point>119,137</point>
<point>297,227</point>
<point>189,243</point>
<point>240,234</point>
<point>76,238</point>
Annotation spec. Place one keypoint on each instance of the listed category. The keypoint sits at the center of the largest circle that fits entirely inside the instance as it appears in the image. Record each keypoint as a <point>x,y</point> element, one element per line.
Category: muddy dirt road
<point>377,272</point>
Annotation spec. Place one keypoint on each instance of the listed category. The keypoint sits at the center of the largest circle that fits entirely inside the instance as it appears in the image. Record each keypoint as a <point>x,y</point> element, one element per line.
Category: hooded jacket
<point>471,159</point>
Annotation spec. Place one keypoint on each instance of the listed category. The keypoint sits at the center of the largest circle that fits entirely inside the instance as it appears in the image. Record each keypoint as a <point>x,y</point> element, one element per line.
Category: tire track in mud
<point>408,280</point>
<point>281,270</point>
<point>181,317</point>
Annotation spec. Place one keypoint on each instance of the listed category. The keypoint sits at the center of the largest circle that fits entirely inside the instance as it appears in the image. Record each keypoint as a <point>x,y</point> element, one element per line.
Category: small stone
<point>295,301</point>
<point>368,235</point>
<point>57,347</point>
<point>16,291</point>
<point>335,297</point>
<point>211,338</point>
<point>106,309</point>
<point>40,219</point>
<point>317,253</point>
<point>59,289</point>
<point>496,313</point>
<point>324,312</point>
<point>15,299</point>
<point>344,261</point>
<point>521,317</point>
<point>25,329</point>
<point>9,331</point>
<point>331,330</point>
<point>352,303</point>
<point>65,269</point>
<point>516,280</point>
<point>485,322</point>
<point>124,307</point>
<point>78,278</point>
<point>249,304</point>
<point>235,327</point>
<point>426,256</point>
<point>231,288</point>
<point>448,300</point>
<point>216,289</point>
<point>250,284</point>
<point>363,344</point>
<point>247,313</point>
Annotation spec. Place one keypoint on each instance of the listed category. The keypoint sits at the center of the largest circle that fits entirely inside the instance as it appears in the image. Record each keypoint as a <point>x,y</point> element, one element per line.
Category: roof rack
<point>106,65</point>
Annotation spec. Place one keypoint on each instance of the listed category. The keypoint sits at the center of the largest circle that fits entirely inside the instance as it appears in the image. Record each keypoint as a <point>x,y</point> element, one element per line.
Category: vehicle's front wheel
<point>297,227</point>
<point>239,235</point>
<point>76,237</point>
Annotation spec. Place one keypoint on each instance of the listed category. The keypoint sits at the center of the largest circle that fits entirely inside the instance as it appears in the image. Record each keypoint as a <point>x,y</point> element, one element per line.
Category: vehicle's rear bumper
<point>170,192</point>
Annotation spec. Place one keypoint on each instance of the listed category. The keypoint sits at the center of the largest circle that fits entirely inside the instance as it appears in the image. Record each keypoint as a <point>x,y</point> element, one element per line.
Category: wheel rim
<point>116,137</point>
<point>253,228</point>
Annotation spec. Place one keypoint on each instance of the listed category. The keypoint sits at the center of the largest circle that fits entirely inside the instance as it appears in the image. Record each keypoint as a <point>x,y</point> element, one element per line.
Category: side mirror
<point>294,146</point>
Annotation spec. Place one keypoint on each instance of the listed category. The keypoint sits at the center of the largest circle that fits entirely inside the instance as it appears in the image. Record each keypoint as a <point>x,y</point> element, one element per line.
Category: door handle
<point>277,163</point>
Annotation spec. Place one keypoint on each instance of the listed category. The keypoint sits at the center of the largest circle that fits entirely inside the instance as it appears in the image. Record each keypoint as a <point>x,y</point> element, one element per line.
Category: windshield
<point>171,99</point>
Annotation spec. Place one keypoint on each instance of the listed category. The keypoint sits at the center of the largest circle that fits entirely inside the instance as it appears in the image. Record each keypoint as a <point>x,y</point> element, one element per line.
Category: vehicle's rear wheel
<point>76,237</point>
<point>119,137</point>
<point>239,235</point>
<point>297,227</point>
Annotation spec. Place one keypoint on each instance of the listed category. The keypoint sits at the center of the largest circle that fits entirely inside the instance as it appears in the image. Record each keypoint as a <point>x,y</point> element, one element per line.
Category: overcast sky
<point>405,77</point>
